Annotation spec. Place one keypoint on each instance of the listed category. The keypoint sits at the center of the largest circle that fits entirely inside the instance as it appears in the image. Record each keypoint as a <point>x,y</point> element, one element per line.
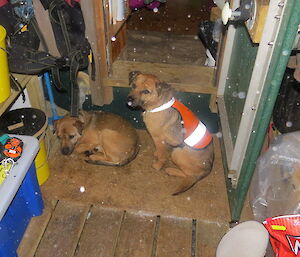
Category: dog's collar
<point>165,106</point>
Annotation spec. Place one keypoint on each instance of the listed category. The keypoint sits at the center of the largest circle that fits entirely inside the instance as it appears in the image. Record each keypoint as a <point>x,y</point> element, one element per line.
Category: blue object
<point>23,9</point>
<point>51,99</point>
<point>4,138</point>
<point>20,199</point>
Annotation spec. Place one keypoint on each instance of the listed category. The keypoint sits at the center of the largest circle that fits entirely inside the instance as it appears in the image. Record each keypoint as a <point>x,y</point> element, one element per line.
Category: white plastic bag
<point>275,187</point>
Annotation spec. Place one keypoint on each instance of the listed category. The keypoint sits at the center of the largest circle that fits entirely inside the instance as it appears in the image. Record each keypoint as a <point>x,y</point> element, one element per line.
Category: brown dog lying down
<point>104,138</point>
<point>164,117</point>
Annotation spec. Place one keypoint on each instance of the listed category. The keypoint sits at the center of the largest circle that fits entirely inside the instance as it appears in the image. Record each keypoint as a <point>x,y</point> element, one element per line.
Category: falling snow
<point>241,95</point>
<point>219,134</point>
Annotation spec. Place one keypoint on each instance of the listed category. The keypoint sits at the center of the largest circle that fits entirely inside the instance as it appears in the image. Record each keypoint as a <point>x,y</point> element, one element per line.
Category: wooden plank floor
<point>74,229</point>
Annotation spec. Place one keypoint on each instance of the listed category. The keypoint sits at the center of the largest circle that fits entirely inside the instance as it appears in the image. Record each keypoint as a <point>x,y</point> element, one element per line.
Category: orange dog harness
<point>196,134</point>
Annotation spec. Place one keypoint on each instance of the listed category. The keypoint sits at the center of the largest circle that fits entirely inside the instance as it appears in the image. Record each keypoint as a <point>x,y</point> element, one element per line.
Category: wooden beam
<point>94,18</point>
<point>185,78</point>
<point>191,88</point>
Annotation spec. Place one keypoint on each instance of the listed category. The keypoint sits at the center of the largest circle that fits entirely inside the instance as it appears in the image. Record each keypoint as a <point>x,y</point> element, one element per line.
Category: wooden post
<point>95,31</point>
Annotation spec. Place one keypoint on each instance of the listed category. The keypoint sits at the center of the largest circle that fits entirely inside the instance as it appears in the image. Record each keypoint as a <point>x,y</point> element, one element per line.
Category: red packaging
<point>3,2</point>
<point>70,2</point>
<point>284,235</point>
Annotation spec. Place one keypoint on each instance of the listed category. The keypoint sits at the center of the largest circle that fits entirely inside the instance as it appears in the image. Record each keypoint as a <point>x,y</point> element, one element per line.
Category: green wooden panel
<point>239,75</point>
<point>282,49</point>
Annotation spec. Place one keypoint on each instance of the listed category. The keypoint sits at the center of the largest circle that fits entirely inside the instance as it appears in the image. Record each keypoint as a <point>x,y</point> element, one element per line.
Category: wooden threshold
<point>184,78</point>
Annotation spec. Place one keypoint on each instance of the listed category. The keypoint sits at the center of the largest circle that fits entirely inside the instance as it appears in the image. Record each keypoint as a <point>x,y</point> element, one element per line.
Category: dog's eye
<point>71,136</point>
<point>58,137</point>
<point>133,86</point>
<point>146,91</point>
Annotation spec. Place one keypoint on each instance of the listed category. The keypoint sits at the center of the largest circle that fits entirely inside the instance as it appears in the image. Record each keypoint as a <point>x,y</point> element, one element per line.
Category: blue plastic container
<point>20,199</point>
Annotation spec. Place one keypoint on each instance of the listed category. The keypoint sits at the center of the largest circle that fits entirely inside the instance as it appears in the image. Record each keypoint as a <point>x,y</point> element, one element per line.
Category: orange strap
<point>191,122</point>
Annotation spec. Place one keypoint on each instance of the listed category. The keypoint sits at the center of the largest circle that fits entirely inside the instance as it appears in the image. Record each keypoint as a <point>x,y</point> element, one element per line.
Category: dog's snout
<point>66,151</point>
<point>130,101</point>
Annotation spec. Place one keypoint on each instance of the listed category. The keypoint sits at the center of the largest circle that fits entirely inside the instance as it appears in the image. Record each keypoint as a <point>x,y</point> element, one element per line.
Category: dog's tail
<point>188,183</point>
<point>132,157</point>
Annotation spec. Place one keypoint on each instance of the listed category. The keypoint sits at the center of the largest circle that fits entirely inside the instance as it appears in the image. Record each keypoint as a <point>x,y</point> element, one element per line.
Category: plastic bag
<point>275,187</point>
<point>284,235</point>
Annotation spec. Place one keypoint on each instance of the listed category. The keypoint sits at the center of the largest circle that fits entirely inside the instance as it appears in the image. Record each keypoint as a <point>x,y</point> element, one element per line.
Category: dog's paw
<point>175,172</point>
<point>157,165</point>
<point>88,153</point>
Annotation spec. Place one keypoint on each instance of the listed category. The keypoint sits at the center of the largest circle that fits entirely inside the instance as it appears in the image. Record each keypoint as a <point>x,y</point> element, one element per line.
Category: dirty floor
<point>137,186</point>
<point>126,211</point>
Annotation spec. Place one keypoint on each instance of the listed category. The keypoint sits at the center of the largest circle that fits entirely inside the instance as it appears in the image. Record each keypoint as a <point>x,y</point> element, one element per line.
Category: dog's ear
<point>162,87</point>
<point>81,116</point>
<point>79,125</point>
<point>55,126</point>
<point>132,75</point>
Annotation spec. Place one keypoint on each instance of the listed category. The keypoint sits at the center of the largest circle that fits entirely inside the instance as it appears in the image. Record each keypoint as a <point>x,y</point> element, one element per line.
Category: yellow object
<point>41,164</point>
<point>278,227</point>
<point>4,74</point>
<point>24,28</point>
<point>4,168</point>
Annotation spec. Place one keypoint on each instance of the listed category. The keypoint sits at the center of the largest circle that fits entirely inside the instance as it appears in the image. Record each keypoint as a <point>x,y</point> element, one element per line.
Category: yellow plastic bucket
<point>4,74</point>
<point>41,164</point>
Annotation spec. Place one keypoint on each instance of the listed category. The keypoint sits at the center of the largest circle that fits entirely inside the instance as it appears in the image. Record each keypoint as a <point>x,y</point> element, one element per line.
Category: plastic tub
<point>20,198</point>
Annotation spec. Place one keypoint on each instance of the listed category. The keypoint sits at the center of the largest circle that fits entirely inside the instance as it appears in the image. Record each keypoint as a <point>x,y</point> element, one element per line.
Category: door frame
<point>273,53</point>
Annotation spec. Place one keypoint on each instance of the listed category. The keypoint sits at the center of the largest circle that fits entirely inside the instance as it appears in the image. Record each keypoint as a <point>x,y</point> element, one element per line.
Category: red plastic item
<point>70,2</point>
<point>284,235</point>
<point>3,2</point>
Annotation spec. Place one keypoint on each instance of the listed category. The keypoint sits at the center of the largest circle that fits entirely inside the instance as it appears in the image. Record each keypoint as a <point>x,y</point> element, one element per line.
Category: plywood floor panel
<point>174,237</point>
<point>108,232</point>
<point>208,235</point>
<point>63,231</point>
<point>100,233</point>
<point>157,47</point>
<point>35,231</point>
<point>136,236</point>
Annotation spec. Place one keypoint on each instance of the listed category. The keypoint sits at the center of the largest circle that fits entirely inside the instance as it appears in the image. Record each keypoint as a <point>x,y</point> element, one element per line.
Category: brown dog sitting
<point>171,124</point>
<point>104,138</point>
